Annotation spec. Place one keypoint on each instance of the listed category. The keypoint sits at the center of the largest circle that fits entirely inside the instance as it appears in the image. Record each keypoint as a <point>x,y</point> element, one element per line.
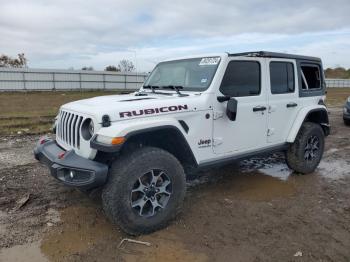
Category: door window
<point>242,78</point>
<point>282,77</point>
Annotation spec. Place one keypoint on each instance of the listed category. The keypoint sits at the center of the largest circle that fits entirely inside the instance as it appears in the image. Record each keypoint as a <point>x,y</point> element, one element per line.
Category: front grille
<point>68,128</point>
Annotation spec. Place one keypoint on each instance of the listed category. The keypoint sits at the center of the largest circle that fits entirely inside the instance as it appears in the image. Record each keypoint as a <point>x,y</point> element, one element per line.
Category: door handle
<point>259,108</point>
<point>292,104</point>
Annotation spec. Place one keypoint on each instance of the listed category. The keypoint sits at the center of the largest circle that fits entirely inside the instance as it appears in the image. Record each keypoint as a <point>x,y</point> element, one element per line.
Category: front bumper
<point>68,167</point>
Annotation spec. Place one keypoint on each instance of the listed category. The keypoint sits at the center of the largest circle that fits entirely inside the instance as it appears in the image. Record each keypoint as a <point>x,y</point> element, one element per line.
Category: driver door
<point>243,80</point>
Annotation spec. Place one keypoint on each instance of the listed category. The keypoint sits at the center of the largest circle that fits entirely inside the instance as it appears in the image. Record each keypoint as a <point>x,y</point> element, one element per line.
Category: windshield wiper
<point>151,87</point>
<point>176,88</point>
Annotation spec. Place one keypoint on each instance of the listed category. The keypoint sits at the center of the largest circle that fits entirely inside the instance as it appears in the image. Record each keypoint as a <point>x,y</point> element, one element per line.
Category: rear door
<point>282,98</point>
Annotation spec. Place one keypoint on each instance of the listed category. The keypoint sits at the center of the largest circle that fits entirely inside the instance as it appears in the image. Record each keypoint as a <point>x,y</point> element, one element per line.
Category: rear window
<point>282,77</point>
<point>311,77</point>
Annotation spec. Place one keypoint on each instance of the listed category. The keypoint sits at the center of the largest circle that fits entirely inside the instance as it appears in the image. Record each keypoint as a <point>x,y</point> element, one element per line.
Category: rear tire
<point>133,202</point>
<point>346,122</point>
<point>304,155</point>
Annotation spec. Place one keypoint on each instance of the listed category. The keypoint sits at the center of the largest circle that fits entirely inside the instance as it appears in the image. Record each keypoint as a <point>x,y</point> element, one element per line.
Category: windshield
<point>193,74</point>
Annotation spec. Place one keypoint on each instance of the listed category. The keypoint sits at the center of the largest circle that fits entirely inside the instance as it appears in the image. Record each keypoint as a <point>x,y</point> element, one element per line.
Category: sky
<point>71,34</point>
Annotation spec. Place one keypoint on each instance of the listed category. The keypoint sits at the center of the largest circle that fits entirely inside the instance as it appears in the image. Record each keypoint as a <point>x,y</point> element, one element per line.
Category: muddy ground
<point>256,210</point>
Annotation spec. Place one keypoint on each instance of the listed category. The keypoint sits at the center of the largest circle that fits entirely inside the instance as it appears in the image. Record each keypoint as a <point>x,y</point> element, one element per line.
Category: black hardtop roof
<point>276,55</point>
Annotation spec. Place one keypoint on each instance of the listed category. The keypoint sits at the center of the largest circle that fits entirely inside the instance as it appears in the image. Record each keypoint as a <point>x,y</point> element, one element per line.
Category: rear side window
<point>282,77</point>
<point>311,77</point>
<point>242,78</point>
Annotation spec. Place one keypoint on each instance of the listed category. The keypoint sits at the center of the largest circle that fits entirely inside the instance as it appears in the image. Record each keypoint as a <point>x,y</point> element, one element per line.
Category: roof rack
<point>275,55</point>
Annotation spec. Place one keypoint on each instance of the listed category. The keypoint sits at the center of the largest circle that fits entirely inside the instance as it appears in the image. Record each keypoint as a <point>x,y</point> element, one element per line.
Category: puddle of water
<point>29,253</point>
<point>254,179</point>
<point>274,166</point>
<point>335,169</point>
<point>260,187</point>
<point>280,171</point>
<point>262,162</point>
<point>170,249</point>
<point>81,228</point>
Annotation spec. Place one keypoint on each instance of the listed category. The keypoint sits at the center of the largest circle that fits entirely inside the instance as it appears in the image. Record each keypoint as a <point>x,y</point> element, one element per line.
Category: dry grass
<point>337,96</point>
<point>33,112</point>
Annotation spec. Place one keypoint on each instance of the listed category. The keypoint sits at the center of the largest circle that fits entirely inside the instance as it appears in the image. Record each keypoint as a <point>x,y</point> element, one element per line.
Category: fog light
<point>74,176</point>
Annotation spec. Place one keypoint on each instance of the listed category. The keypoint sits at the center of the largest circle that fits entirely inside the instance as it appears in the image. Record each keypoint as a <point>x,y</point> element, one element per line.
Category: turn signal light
<point>117,140</point>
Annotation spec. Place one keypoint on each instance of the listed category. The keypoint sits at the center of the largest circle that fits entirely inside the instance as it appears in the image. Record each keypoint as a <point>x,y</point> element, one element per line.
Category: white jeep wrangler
<point>191,113</point>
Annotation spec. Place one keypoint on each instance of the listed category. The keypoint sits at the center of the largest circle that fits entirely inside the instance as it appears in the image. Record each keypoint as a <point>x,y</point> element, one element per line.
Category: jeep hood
<point>124,107</point>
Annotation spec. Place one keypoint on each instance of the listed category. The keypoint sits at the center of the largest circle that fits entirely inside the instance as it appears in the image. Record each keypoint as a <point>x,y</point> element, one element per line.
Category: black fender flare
<point>321,119</point>
<point>116,149</point>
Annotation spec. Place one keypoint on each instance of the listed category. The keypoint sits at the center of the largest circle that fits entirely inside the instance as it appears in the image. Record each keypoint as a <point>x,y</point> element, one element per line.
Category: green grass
<point>33,112</point>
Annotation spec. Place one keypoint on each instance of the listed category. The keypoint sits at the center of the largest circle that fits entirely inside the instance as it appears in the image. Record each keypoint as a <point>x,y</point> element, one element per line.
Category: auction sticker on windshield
<point>209,61</point>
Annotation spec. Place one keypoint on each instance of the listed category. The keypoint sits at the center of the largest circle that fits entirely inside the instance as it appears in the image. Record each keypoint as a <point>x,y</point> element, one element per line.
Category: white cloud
<point>66,33</point>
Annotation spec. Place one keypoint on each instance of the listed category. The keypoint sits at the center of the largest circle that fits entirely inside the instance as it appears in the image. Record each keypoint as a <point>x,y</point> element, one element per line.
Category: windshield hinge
<point>218,114</point>
<point>270,131</point>
<point>217,141</point>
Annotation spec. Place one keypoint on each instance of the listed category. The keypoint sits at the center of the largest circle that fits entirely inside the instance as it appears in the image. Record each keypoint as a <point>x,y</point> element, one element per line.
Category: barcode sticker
<point>209,61</point>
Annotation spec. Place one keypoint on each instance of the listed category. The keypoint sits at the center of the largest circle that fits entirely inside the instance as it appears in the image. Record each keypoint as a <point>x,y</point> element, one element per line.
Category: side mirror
<point>223,98</point>
<point>231,109</point>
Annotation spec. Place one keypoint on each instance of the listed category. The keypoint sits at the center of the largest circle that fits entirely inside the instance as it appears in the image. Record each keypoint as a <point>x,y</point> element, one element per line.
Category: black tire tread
<point>294,155</point>
<point>117,176</point>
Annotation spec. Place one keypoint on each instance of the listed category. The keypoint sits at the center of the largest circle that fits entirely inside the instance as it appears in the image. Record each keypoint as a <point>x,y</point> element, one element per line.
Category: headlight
<point>54,125</point>
<point>104,139</point>
<point>87,129</point>
<point>110,140</point>
<point>349,99</point>
<point>91,128</point>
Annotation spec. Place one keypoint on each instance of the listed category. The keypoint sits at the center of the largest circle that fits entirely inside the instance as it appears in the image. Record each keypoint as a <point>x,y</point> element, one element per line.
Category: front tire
<point>346,122</point>
<point>304,155</point>
<point>145,190</point>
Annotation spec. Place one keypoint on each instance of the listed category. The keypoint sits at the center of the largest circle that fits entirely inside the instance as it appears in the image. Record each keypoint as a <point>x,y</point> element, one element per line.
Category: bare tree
<point>4,61</point>
<point>88,68</point>
<point>338,72</point>
<point>7,61</point>
<point>126,66</point>
<point>22,60</point>
<point>112,68</point>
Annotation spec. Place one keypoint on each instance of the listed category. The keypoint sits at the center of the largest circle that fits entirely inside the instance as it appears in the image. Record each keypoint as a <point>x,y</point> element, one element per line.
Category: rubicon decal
<point>151,111</point>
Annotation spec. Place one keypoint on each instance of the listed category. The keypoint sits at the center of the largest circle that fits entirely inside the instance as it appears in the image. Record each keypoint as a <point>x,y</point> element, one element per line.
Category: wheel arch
<point>166,137</point>
<point>317,115</point>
